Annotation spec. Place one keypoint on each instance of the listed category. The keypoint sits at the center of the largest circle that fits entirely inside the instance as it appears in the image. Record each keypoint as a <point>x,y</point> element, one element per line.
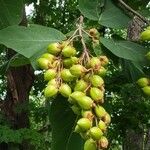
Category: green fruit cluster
<point>81,82</point>
<point>144,83</point>
<point>145,35</point>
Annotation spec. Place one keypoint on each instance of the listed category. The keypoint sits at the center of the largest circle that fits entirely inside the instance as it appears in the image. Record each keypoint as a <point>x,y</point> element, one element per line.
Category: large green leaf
<point>125,49</point>
<point>89,9</point>
<point>29,41</point>
<point>111,16</point>
<point>132,70</point>
<point>10,12</point>
<point>62,121</point>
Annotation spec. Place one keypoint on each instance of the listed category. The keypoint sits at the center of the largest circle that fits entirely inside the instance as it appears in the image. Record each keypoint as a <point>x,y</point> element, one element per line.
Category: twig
<point>133,11</point>
<point>82,40</point>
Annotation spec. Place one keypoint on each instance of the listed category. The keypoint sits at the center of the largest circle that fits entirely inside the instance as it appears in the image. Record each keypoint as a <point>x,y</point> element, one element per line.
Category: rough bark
<point>19,83</point>
<point>134,140</point>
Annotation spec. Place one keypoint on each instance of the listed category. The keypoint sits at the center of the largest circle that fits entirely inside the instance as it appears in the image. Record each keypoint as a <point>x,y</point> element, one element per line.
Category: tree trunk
<point>134,140</point>
<point>19,83</point>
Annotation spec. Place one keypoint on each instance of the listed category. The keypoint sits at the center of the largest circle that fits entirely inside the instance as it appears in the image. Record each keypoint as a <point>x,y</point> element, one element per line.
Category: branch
<point>82,39</point>
<point>127,7</point>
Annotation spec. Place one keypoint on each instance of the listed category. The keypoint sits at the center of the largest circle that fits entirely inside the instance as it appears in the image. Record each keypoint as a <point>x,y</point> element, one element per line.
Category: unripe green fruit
<point>85,102</point>
<point>84,135</point>
<point>103,143</point>
<point>102,125</point>
<point>104,60</point>
<point>84,124</point>
<point>87,114</point>
<point>142,82</point>
<point>48,56</point>
<point>81,85</point>
<point>145,35</point>
<point>75,96</point>
<point>90,144</point>
<point>54,48</point>
<point>50,91</point>
<point>68,51</point>
<point>148,28</point>
<point>77,70</point>
<point>50,74</point>
<point>43,63</point>
<point>106,118</point>
<point>74,60</point>
<point>96,81</point>
<point>77,129</point>
<point>100,111</point>
<point>66,75</point>
<point>148,55</point>
<point>76,109</point>
<point>87,77</point>
<point>68,62</point>
<point>102,71</point>
<point>95,63</point>
<point>146,90</point>
<point>53,82</point>
<point>64,44</point>
<point>96,94</point>
<point>95,133</point>
<point>65,90</point>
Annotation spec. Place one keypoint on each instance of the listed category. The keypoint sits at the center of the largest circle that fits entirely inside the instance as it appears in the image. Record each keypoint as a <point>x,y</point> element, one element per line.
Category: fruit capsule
<point>43,63</point>
<point>95,133</point>
<point>68,51</point>
<point>146,90</point>
<point>65,90</point>
<point>75,96</point>
<point>77,70</point>
<point>100,111</point>
<point>50,91</point>
<point>87,114</point>
<point>84,135</point>
<point>77,129</point>
<point>104,60</point>
<point>148,55</point>
<point>76,109</point>
<point>93,32</point>
<point>102,72</point>
<point>85,102</point>
<point>96,94</point>
<point>66,75</point>
<point>84,124</point>
<point>50,74</point>
<point>64,44</point>
<point>48,56</point>
<point>95,63</point>
<point>53,82</point>
<point>90,144</point>
<point>142,82</point>
<point>145,35</point>
<point>103,143</point>
<point>81,85</point>
<point>102,125</point>
<point>96,81</point>
<point>54,48</point>
<point>106,119</point>
<point>68,62</point>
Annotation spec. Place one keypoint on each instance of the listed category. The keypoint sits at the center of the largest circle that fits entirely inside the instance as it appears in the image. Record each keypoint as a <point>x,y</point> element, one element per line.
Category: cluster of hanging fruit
<point>145,35</point>
<point>80,80</point>
<point>144,83</point>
